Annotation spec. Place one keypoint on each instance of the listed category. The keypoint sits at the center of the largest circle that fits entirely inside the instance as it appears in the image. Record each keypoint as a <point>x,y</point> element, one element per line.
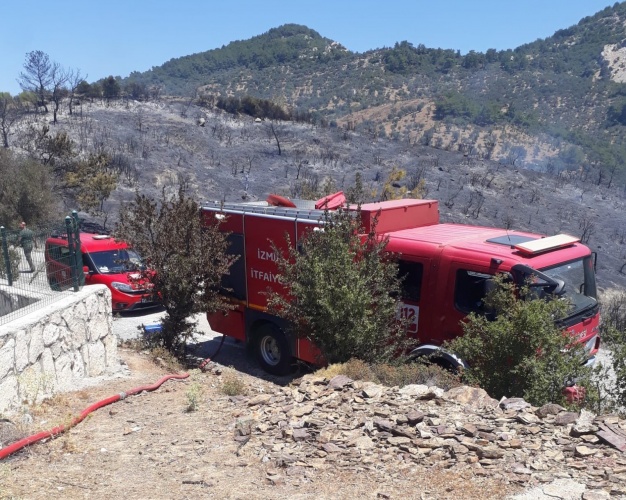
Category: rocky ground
<point>228,433</point>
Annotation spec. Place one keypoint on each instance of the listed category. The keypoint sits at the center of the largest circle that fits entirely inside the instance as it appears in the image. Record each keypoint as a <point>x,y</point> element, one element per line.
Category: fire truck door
<point>468,285</point>
<point>411,272</point>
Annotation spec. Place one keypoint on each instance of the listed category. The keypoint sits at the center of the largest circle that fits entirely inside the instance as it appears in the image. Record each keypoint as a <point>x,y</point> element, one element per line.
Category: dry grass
<point>233,384</point>
<point>416,373</point>
<point>12,431</point>
<point>145,447</point>
<point>194,396</point>
<point>401,375</point>
<point>59,410</point>
<point>161,356</point>
<point>165,359</point>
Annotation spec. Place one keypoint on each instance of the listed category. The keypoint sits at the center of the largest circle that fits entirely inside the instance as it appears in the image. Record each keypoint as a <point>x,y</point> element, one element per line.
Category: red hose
<point>202,366</point>
<point>5,452</point>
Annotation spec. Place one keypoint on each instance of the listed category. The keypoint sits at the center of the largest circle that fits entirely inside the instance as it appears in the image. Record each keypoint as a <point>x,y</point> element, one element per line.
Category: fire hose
<point>22,443</point>
<point>27,441</point>
<point>206,361</point>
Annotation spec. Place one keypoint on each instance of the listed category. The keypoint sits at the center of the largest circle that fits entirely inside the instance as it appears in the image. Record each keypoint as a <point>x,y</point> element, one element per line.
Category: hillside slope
<point>564,94</point>
<point>155,145</point>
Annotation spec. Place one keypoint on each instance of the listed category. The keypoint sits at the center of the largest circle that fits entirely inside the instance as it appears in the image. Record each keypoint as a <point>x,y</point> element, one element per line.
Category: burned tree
<point>36,77</point>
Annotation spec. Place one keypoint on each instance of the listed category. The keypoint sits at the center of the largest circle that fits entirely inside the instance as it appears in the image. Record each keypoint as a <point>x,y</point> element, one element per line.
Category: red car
<point>107,262</point>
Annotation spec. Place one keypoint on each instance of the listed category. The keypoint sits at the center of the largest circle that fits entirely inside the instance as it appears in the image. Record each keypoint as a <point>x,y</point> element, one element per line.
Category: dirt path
<point>150,446</point>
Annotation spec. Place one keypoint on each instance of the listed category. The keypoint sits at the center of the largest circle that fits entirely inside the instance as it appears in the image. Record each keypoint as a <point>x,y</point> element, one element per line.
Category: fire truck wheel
<point>54,285</point>
<point>447,361</point>
<point>445,364</point>
<point>272,350</point>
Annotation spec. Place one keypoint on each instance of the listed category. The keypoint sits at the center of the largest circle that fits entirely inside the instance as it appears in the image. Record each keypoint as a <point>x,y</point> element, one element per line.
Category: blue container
<point>150,329</point>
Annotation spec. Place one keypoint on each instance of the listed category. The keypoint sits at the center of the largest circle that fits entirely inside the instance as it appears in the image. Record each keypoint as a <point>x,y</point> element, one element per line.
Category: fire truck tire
<point>440,362</point>
<point>54,285</point>
<point>272,350</point>
<point>444,359</point>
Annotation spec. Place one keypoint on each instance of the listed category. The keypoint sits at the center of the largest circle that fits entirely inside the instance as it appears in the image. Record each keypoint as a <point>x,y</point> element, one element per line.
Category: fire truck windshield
<point>579,282</point>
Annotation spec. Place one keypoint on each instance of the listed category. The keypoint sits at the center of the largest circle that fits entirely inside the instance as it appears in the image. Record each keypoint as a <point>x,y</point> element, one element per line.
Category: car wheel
<point>272,350</point>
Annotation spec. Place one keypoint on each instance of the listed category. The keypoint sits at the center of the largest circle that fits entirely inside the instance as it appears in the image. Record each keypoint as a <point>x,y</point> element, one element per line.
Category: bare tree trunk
<point>273,129</point>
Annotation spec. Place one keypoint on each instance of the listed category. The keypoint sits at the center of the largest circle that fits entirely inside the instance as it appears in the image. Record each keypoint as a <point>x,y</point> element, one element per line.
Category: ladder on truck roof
<point>391,215</point>
<point>252,208</point>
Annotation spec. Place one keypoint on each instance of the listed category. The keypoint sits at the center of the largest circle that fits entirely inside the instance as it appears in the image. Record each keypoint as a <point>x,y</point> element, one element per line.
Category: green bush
<point>185,259</point>
<point>613,316</point>
<point>14,261</point>
<point>194,396</point>
<point>610,379</point>
<point>343,292</point>
<point>522,352</point>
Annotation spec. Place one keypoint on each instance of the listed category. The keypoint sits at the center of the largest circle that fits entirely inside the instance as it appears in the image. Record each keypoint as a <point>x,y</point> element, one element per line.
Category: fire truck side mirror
<point>552,285</point>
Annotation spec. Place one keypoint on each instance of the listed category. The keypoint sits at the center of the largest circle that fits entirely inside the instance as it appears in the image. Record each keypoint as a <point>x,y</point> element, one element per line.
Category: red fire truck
<point>448,269</point>
<point>106,262</point>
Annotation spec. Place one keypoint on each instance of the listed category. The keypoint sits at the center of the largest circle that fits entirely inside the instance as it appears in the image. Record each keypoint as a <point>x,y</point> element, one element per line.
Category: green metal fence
<point>39,266</point>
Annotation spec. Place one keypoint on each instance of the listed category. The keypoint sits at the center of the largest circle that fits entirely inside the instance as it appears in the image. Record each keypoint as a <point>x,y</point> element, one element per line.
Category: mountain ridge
<point>565,87</point>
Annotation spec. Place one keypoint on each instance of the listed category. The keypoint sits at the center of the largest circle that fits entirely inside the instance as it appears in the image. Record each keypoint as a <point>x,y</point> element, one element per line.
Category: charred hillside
<point>156,145</point>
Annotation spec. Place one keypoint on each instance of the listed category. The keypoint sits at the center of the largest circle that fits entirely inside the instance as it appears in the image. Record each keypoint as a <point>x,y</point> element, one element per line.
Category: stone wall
<point>54,348</point>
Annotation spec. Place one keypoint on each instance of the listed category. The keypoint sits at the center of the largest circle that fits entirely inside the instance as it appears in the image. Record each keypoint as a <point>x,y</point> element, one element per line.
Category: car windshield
<point>115,261</point>
<point>579,282</point>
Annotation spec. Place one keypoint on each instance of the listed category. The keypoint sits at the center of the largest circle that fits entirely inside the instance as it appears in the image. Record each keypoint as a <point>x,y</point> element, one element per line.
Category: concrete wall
<point>54,348</point>
<point>12,299</point>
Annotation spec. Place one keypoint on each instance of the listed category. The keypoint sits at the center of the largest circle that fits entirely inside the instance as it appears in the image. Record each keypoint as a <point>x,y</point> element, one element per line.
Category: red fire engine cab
<point>448,269</point>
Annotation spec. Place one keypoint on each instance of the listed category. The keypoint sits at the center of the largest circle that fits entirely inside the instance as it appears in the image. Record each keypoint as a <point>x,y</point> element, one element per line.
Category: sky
<point>116,37</point>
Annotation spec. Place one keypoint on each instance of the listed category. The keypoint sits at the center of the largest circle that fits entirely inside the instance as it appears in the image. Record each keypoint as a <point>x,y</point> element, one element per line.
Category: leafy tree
<point>26,191</point>
<point>56,150</point>
<point>610,379</point>
<point>137,90</point>
<point>572,157</point>
<point>75,81</point>
<point>92,181</point>
<point>473,60</point>
<point>356,193</point>
<point>110,88</point>
<point>455,105</point>
<point>186,261</point>
<point>343,292</point>
<point>84,88</point>
<point>11,110</point>
<point>616,114</point>
<point>15,258</point>
<point>93,90</point>
<point>518,350</point>
<point>489,114</point>
<point>393,189</point>
<point>258,108</point>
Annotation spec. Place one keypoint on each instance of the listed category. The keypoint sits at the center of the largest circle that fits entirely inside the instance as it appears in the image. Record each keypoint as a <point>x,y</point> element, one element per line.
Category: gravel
<point>232,353</point>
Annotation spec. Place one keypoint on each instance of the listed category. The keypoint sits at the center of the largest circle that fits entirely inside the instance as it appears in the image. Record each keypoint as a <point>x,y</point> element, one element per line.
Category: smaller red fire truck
<point>447,268</point>
<point>106,262</point>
